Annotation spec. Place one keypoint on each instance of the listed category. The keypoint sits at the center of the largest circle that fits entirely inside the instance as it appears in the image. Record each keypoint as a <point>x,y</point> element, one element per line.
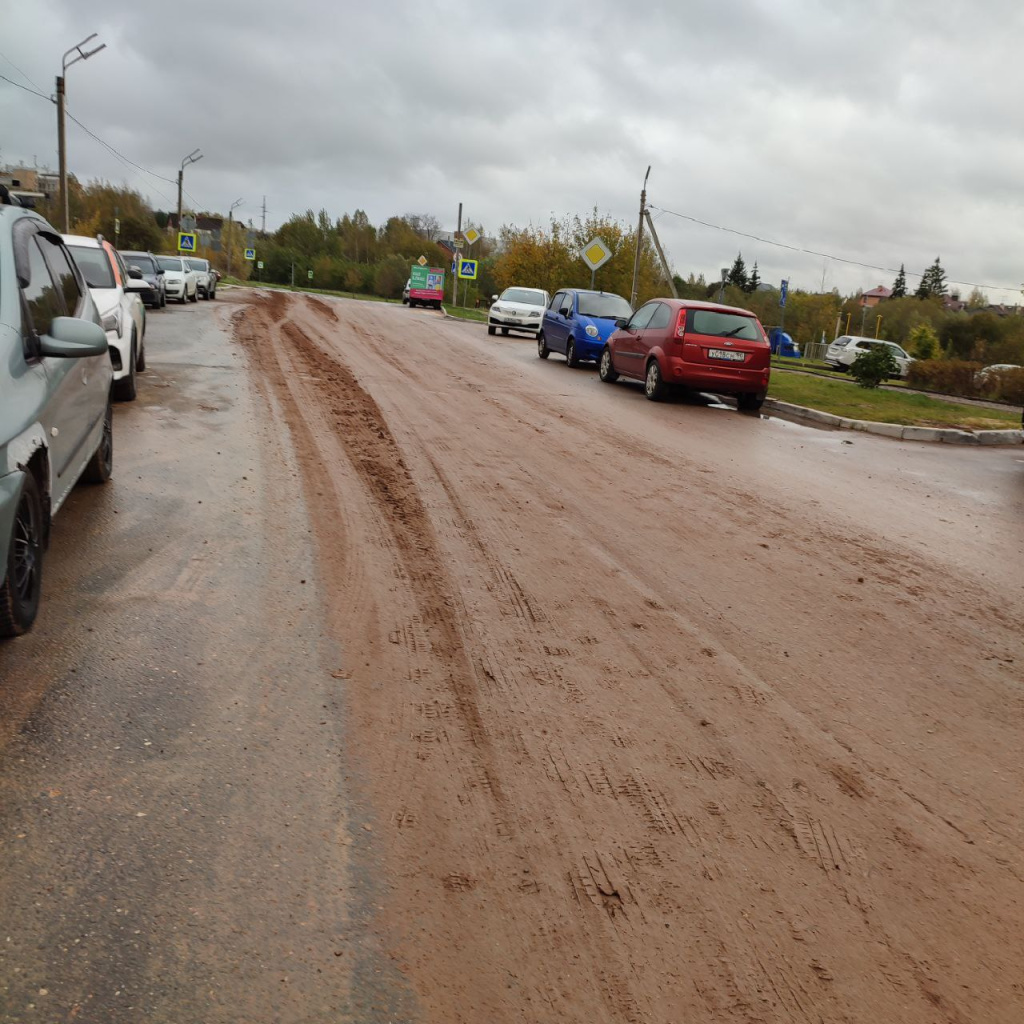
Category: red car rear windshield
<point>722,325</point>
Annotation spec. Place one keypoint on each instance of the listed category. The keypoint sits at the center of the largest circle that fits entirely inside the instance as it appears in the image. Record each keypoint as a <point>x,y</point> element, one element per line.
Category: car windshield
<point>170,263</point>
<point>527,296</point>
<point>144,263</point>
<point>896,349</point>
<point>609,306</point>
<point>723,325</point>
<point>196,264</point>
<point>94,265</point>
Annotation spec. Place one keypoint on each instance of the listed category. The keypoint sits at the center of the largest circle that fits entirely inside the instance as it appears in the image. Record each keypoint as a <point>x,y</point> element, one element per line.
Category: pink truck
<point>426,286</point>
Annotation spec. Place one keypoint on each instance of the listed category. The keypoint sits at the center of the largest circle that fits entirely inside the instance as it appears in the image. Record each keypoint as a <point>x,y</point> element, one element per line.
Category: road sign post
<point>783,295</point>
<point>596,254</point>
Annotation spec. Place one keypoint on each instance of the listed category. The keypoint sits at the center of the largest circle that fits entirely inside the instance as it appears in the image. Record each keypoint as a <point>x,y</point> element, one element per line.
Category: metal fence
<point>814,350</point>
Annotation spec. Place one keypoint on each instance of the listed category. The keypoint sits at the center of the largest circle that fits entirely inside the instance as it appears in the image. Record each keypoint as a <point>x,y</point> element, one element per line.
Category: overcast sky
<point>881,132</point>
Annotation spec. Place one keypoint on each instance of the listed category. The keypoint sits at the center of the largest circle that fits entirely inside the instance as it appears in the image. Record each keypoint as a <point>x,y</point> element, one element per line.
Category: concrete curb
<point>945,435</point>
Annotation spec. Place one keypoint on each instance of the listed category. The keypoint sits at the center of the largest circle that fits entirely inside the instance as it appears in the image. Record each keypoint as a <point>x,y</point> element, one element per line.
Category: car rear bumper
<point>725,379</point>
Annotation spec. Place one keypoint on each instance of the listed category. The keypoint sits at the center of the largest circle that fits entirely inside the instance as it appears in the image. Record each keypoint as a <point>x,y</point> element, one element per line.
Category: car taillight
<point>681,324</point>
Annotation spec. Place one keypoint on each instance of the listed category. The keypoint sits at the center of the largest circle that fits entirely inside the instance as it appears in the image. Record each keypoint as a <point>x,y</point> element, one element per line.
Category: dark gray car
<point>152,273</point>
<point>55,415</point>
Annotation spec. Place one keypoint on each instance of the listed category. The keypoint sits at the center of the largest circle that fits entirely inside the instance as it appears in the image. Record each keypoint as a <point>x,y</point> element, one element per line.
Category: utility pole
<point>65,205</point>
<point>661,255</point>
<point>231,216</point>
<point>263,229</point>
<point>190,159</point>
<point>639,239</point>
<point>458,253</point>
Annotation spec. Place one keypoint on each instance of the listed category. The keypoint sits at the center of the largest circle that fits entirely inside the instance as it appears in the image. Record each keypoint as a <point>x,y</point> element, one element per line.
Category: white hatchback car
<point>118,299</point>
<point>180,280</point>
<point>843,351</point>
<point>518,309</point>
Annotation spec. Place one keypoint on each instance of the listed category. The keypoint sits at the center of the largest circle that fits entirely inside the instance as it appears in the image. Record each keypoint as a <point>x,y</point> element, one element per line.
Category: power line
<point>20,72</point>
<point>18,85</point>
<point>822,255</point>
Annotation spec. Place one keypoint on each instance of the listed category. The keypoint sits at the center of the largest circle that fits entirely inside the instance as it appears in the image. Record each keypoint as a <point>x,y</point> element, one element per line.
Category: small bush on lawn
<point>950,376</point>
<point>870,368</point>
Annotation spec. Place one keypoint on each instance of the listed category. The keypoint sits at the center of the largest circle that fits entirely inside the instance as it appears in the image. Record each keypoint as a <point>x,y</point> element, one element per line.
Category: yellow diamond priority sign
<point>422,261</point>
<point>596,254</point>
<point>471,235</point>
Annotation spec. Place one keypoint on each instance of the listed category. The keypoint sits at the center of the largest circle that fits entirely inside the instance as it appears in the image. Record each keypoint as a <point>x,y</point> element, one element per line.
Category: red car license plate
<point>724,353</point>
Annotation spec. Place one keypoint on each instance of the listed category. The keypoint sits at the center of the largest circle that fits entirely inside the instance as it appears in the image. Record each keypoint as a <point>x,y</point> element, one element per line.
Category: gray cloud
<point>879,131</point>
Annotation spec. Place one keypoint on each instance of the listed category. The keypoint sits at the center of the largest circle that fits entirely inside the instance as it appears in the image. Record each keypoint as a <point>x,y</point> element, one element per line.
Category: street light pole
<point>65,206</point>
<point>639,239</point>
<point>190,159</point>
<point>231,217</point>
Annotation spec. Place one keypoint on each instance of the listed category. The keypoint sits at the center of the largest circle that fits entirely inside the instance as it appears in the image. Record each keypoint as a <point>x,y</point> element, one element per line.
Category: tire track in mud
<point>377,460</point>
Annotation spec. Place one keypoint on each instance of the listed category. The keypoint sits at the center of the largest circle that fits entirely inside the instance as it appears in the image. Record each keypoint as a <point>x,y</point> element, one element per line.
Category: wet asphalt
<point>181,836</point>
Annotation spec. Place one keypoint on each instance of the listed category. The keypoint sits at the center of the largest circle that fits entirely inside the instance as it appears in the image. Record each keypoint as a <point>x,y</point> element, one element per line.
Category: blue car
<point>578,322</point>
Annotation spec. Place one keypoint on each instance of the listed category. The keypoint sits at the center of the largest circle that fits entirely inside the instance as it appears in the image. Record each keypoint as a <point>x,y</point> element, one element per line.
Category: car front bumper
<point>587,347</point>
<point>512,322</point>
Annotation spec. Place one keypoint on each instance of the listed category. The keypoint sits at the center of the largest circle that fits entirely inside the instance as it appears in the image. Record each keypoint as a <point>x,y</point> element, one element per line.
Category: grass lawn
<point>466,313</point>
<point>300,288</point>
<point>845,399</point>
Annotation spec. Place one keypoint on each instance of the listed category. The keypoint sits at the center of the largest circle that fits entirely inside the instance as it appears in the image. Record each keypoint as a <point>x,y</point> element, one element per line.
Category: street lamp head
<point>236,203</point>
<point>192,158</point>
<point>81,54</point>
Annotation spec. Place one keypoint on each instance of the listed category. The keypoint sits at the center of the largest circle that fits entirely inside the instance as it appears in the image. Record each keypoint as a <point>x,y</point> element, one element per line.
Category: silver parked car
<point>840,355</point>
<point>55,415</point>
<point>207,276</point>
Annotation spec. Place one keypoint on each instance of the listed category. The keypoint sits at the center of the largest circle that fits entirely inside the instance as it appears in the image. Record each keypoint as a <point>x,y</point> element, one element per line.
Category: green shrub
<point>923,341</point>
<point>950,376</point>
<point>870,368</point>
<point>1007,386</point>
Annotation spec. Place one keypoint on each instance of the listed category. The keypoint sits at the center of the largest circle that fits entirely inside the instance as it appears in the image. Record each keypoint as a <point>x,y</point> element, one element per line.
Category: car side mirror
<point>566,312</point>
<point>621,321</point>
<point>70,337</point>
<point>135,273</point>
<point>494,298</point>
<point>135,284</point>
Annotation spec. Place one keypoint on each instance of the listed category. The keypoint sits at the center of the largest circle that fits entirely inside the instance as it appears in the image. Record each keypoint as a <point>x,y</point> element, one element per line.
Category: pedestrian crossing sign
<point>250,254</point>
<point>186,241</point>
<point>467,270</point>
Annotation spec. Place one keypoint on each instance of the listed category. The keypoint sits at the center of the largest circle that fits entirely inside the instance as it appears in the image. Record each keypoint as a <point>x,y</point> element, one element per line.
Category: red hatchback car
<point>699,346</point>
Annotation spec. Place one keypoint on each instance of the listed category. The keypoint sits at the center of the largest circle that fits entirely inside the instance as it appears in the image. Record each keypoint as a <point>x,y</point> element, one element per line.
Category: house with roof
<point>872,298</point>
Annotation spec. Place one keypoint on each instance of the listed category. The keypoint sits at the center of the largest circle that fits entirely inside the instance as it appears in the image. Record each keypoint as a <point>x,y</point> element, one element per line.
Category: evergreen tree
<point>755,279</point>
<point>936,278</point>
<point>899,286</point>
<point>738,274</point>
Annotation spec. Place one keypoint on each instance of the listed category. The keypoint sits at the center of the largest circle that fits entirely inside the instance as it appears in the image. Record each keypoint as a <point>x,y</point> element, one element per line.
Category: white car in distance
<point>518,309</point>
<point>840,355</point>
<point>180,280</point>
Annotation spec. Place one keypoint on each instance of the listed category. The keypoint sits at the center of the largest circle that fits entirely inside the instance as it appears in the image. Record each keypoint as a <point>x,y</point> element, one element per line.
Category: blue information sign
<point>783,293</point>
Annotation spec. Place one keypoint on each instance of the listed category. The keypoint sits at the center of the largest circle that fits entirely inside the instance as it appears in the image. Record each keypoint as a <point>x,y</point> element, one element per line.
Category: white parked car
<point>843,351</point>
<point>989,375</point>
<point>518,309</point>
<point>206,281</point>
<point>117,294</point>
<point>181,282</point>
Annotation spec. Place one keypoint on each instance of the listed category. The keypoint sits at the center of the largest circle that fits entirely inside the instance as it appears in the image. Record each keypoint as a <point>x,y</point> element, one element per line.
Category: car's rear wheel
<point>140,363</point>
<point>542,346</point>
<point>490,329</point>
<point>605,368</point>
<point>749,401</point>
<point>654,385</point>
<point>570,355</point>
<point>23,581</point>
<point>124,390</point>
<point>101,465</point>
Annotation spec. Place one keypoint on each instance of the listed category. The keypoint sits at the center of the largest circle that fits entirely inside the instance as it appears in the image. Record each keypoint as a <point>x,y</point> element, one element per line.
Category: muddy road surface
<point>401,675</point>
